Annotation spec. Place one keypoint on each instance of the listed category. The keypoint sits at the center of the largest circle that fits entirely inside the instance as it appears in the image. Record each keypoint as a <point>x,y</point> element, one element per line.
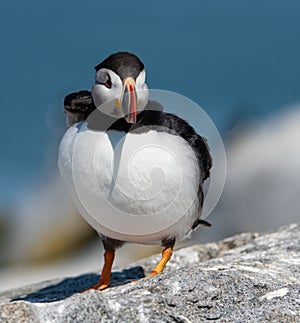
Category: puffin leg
<point>165,257</point>
<point>104,280</point>
<point>109,256</point>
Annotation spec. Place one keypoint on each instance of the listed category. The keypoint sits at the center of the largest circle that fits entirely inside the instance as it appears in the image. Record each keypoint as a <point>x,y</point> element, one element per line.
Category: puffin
<point>144,167</point>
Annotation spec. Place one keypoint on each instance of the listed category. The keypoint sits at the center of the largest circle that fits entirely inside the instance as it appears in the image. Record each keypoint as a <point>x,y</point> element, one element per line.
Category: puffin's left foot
<point>165,257</point>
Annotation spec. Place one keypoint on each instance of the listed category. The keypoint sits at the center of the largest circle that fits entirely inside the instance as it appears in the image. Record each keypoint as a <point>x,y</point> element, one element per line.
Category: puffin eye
<point>104,79</point>
<point>108,83</point>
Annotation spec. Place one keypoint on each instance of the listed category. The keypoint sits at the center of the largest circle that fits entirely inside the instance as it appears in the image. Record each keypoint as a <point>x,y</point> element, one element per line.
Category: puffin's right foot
<point>104,280</point>
<point>101,285</point>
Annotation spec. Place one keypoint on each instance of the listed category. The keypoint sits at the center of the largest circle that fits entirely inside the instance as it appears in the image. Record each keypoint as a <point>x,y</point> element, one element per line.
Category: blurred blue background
<point>238,59</point>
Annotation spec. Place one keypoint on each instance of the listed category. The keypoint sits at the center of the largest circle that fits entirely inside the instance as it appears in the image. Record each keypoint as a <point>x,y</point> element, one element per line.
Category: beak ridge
<point>129,100</point>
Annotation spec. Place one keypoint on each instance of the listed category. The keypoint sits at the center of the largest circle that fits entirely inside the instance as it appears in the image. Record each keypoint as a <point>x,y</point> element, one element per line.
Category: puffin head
<point>120,89</point>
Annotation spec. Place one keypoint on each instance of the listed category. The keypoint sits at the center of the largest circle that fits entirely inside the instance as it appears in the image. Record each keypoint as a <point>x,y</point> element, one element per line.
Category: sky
<point>237,59</point>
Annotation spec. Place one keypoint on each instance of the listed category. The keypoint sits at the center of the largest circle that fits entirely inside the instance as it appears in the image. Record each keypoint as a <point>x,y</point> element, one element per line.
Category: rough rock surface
<point>246,278</point>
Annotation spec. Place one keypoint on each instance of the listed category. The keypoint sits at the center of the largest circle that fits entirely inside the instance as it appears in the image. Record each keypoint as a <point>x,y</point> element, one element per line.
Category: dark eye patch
<point>108,83</point>
<point>104,79</point>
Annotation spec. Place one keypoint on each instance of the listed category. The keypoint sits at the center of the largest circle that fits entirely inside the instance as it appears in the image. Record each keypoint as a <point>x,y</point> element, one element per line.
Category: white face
<point>109,89</point>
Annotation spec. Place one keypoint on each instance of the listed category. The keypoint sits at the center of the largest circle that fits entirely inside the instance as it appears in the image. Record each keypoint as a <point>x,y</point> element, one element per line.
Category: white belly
<point>132,187</point>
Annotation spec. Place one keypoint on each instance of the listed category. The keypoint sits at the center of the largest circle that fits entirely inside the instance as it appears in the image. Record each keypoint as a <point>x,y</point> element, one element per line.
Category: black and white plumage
<point>78,106</point>
<point>138,122</point>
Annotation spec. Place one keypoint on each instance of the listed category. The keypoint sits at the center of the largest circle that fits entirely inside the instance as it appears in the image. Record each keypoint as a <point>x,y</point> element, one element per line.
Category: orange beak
<point>128,101</point>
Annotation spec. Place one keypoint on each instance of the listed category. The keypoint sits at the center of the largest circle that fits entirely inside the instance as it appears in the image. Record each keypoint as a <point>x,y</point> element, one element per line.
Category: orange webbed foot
<point>101,285</point>
<point>153,273</point>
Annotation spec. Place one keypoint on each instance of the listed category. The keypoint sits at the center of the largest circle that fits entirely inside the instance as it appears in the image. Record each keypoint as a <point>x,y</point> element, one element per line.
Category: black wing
<point>78,106</point>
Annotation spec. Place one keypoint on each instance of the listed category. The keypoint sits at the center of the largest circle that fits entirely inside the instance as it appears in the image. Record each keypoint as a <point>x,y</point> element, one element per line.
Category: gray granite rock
<point>245,278</point>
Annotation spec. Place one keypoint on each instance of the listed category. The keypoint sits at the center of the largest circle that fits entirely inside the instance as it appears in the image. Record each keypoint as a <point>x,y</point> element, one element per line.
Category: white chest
<point>132,187</point>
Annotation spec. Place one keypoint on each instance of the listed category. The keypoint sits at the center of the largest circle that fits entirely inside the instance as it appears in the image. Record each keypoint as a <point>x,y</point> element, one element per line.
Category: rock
<point>262,160</point>
<point>248,277</point>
